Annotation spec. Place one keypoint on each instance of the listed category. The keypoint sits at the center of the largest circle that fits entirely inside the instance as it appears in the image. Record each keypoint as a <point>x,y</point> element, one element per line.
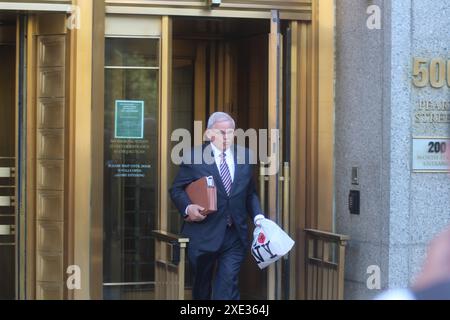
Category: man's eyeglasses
<point>228,132</point>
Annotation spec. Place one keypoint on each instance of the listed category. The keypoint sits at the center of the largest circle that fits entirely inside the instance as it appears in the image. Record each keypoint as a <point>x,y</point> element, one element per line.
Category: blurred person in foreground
<point>433,282</point>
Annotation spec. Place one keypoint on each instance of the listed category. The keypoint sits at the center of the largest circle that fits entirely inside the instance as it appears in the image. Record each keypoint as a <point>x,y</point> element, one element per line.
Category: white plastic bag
<point>270,243</point>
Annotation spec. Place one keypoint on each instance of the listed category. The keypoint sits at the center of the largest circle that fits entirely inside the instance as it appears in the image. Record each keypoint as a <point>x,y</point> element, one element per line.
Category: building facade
<point>399,115</point>
<point>93,92</point>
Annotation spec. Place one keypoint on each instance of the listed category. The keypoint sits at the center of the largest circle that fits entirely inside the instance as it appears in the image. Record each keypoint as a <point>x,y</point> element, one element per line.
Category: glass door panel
<point>131,166</point>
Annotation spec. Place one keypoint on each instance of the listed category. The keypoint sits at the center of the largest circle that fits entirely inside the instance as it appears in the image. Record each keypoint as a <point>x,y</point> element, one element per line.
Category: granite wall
<point>376,107</point>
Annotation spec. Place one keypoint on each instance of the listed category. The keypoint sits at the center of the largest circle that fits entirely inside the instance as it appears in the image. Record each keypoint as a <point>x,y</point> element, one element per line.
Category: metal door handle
<point>7,229</point>
<point>6,172</point>
<point>6,201</point>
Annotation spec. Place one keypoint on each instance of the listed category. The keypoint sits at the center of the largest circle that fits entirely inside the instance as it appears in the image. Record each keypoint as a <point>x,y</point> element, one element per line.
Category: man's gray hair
<point>219,117</point>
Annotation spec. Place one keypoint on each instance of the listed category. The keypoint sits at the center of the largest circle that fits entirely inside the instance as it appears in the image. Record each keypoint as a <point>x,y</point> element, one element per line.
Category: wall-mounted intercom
<point>353,201</point>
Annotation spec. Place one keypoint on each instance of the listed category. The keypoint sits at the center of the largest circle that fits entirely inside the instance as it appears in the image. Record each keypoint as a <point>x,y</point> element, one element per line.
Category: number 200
<point>437,147</point>
<point>435,72</point>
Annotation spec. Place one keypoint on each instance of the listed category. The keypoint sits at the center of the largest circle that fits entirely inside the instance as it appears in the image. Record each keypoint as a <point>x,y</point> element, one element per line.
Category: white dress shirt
<point>228,158</point>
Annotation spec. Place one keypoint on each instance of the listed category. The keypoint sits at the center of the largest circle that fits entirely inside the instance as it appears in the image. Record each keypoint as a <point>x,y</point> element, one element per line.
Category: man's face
<point>221,134</point>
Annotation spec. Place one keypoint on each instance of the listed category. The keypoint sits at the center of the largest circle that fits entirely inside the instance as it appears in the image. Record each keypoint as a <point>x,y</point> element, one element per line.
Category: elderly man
<point>218,241</point>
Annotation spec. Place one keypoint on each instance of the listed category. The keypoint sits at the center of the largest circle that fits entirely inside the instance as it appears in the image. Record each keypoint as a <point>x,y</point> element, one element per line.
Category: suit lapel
<point>237,170</point>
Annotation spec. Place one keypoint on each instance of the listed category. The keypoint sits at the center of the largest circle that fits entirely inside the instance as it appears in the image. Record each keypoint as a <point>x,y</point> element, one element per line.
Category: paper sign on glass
<point>129,119</point>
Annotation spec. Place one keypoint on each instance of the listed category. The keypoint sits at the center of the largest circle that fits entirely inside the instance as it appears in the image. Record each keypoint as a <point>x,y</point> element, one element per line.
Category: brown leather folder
<point>203,192</point>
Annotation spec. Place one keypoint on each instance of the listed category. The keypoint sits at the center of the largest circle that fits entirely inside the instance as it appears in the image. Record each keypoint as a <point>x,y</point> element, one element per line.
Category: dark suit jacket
<point>208,234</point>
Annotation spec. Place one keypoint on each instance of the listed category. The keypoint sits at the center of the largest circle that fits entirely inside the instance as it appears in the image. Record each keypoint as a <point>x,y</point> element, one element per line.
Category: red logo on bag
<point>261,238</point>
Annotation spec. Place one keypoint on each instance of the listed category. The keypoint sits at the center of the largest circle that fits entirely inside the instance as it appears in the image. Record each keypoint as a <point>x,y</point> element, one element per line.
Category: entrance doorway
<point>222,65</point>
<point>32,150</point>
<point>11,156</point>
<point>8,157</point>
<point>162,74</point>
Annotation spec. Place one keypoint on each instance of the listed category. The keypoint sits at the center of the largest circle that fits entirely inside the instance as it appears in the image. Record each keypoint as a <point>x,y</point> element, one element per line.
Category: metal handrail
<point>142,283</point>
<point>168,237</point>
<point>170,273</point>
<point>325,264</point>
<point>327,235</point>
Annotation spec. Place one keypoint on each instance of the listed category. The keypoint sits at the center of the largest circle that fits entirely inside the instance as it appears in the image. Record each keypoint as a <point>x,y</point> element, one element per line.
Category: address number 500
<point>435,72</point>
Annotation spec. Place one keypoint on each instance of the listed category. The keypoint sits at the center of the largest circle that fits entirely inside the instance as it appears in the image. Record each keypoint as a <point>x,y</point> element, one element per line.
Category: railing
<point>325,262</point>
<point>170,253</point>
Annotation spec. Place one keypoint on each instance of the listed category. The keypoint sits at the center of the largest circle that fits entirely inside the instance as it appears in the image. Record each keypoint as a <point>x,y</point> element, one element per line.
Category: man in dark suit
<point>218,241</point>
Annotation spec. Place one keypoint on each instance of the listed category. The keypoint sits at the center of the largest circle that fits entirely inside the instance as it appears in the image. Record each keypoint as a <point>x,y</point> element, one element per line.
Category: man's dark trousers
<point>226,263</point>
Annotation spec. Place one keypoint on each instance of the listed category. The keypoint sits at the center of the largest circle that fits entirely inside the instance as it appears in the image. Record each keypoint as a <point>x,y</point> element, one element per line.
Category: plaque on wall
<point>431,154</point>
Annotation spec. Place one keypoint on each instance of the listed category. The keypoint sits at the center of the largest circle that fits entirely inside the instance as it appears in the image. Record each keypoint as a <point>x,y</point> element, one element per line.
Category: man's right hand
<point>194,213</point>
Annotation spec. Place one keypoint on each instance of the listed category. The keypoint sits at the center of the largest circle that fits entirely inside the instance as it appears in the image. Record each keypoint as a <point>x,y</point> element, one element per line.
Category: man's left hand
<point>257,220</point>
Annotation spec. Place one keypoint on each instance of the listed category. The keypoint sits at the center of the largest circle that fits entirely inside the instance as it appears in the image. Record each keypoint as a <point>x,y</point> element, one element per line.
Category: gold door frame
<point>312,115</point>
<point>98,100</point>
<point>314,81</point>
<point>165,106</point>
<point>37,6</point>
<point>312,136</point>
<point>47,248</point>
<point>95,287</point>
<point>275,122</point>
<point>289,10</point>
<point>313,128</point>
<point>82,225</point>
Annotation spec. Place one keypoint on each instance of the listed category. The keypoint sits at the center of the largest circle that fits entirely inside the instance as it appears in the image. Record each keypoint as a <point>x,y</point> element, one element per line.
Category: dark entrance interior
<point>221,65</point>
<point>7,156</point>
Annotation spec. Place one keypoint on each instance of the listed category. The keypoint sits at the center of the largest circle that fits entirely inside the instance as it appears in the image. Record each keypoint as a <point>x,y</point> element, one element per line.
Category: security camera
<point>214,3</point>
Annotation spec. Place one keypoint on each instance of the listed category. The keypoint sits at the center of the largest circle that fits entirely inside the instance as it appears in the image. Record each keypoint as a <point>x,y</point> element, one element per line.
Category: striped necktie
<point>225,173</point>
<point>226,180</point>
